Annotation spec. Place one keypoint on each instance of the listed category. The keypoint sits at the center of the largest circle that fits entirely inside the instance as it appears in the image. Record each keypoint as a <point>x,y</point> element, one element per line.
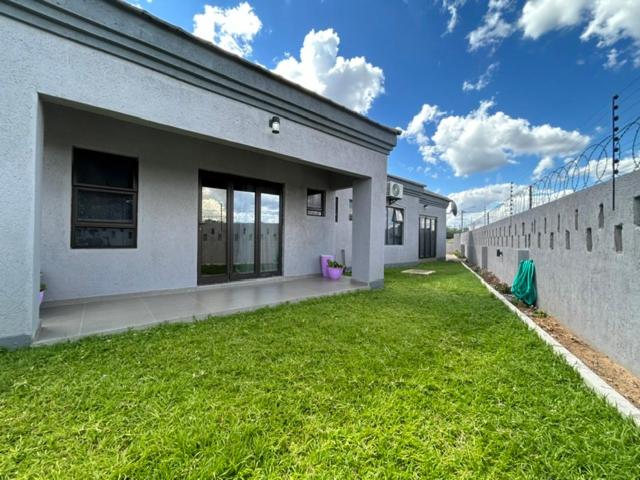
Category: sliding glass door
<point>252,245</point>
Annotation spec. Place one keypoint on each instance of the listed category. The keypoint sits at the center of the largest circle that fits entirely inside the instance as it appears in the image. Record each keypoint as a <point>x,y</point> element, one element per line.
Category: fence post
<point>530,197</point>
<point>511,199</point>
<point>614,149</point>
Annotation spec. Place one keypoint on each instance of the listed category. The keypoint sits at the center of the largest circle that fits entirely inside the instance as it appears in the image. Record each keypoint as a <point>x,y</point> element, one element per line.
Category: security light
<point>274,123</point>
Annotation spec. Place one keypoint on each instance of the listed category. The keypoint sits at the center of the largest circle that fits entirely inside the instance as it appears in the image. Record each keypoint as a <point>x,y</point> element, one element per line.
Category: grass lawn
<point>429,378</point>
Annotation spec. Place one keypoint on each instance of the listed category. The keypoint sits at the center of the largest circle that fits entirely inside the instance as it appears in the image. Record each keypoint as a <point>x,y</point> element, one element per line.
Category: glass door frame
<point>221,180</point>
<point>422,234</point>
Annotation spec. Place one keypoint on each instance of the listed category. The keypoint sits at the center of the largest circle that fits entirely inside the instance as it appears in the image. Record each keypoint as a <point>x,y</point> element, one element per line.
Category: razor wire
<point>590,167</point>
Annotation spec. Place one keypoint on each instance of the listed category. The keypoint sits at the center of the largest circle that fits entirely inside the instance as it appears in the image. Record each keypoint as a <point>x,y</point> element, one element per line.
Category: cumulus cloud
<point>545,163</point>
<point>541,16</point>
<point>352,82</point>
<point>232,28</point>
<point>607,21</point>
<point>613,20</point>
<point>483,141</point>
<point>494,27</point>
<point>474,200</point>
<point>483,81</point>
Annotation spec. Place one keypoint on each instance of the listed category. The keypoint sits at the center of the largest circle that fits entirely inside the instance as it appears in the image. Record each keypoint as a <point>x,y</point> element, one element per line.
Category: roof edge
<point>249,64</point>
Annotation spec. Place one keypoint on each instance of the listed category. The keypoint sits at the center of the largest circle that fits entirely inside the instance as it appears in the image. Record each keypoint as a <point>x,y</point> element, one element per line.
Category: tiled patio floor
<point>67,322</point>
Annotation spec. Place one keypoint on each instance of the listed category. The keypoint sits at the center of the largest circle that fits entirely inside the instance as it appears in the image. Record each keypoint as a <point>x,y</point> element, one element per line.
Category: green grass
<point>429,378</point>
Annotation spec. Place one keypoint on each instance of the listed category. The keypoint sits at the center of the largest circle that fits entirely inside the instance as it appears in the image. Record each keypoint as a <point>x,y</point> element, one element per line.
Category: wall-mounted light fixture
<point>274,123</point>
<point>498,253</point>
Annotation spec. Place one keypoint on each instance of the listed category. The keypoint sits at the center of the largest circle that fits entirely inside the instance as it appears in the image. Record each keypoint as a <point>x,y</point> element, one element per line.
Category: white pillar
<point>21,138</point>
<point>368,230</point>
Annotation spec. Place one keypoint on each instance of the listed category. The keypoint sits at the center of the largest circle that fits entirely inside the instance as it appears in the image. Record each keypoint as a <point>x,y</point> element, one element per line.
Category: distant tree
<point>453,230</point>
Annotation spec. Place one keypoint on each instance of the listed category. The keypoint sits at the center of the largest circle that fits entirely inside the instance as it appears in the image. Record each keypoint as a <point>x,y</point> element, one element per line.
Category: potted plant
<point>334,270</point>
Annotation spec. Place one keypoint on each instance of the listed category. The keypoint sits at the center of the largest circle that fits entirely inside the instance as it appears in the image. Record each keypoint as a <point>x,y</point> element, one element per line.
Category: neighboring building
<point>415,223</point>
<point>137,158</point>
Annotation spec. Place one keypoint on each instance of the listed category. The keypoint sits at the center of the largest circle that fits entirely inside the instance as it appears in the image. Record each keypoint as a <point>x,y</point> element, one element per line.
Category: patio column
<point>367,258</point>
<point>21,139</point>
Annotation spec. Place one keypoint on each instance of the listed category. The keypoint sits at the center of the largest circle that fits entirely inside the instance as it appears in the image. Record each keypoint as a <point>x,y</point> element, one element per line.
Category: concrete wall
<point>166,256</point>
<point>121,64</point>
<point>453,244</point>
<point>594,292</point>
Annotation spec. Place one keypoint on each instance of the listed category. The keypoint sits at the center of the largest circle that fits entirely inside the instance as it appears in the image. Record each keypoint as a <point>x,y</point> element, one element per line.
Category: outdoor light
<point>274,123</point>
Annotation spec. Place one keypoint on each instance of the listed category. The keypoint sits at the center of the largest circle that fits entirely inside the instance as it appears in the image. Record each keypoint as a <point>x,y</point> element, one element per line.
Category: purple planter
<point>324,259</point>
<point>334,273</point>
<point>41,296</point>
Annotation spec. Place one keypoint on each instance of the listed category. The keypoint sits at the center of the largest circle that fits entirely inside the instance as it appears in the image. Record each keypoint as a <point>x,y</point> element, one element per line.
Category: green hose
<point>524,285</point>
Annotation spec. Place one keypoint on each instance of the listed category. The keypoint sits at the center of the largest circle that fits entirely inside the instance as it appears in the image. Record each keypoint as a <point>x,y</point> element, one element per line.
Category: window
<point>350,209</point>
<point>315,203</point>
<point>104,200</point>
<point>336,212</point>
<point>395,223</point>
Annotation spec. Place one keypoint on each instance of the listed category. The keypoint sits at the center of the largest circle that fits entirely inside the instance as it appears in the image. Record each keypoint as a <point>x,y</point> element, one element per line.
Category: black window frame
<point>77,186</point>
<point>336,212</point>
<point>393,238</point>
<point>351,209</point>
<point>323,208</point>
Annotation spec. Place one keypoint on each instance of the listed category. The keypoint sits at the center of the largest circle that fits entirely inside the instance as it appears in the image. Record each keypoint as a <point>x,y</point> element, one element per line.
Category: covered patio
<point>72,320</point>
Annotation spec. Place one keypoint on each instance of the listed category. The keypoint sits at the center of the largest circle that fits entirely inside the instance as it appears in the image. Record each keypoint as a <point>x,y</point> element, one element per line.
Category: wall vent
<point>601,216</point>
<point>617,238</point>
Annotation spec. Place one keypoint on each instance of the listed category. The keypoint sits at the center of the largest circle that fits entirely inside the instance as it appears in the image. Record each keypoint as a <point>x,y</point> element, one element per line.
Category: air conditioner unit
<point>394,189</point>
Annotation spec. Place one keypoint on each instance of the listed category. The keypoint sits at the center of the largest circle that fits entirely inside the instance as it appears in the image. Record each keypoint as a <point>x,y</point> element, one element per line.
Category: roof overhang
<point>120,29</point>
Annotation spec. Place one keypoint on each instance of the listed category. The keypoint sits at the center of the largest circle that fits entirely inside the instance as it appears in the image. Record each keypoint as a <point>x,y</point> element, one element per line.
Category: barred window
<point>104,200</point>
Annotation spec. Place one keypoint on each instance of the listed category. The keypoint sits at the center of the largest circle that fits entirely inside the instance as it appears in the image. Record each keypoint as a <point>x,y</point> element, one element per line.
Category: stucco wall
<point>406,253</point>
<point>95,68</point>
<point>166,255</point>
<point>595,292</point>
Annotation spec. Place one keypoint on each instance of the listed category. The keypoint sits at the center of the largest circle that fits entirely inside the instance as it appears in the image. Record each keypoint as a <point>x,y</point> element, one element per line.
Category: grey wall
<point>102,70</point>
<point>166,255</point>
<point>404,254</point>
<point>595,293</point>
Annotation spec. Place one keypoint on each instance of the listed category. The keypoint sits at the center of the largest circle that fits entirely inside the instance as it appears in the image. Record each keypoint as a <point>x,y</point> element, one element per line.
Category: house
<point>137,158</point>
<point>415,223</point>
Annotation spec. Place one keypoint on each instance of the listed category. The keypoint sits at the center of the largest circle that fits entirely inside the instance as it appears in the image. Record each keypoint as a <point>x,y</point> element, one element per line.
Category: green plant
<point>540,314</point>
<point>43,286</point>
<point>334,264</point>
<point>503,288</point>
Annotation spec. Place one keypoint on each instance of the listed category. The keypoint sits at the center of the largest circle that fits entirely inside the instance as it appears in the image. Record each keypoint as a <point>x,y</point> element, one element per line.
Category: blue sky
<point>539,73</point>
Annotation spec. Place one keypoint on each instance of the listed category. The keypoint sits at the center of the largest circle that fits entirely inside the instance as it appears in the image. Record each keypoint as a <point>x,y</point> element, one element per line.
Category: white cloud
<point>416,132</point>
<point>545,163</point>
<point>231,28</point>
<point>607,21</point>
<point>473,202</point>
<point>540,16</point>
<point>352,82</point>
<point>613,20</point>
<point>137,4</point>
<point>483,81</point>
<point>482,141</point>
<point>613,61</point>
<point>452,7</point>
<point>494,27</point>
